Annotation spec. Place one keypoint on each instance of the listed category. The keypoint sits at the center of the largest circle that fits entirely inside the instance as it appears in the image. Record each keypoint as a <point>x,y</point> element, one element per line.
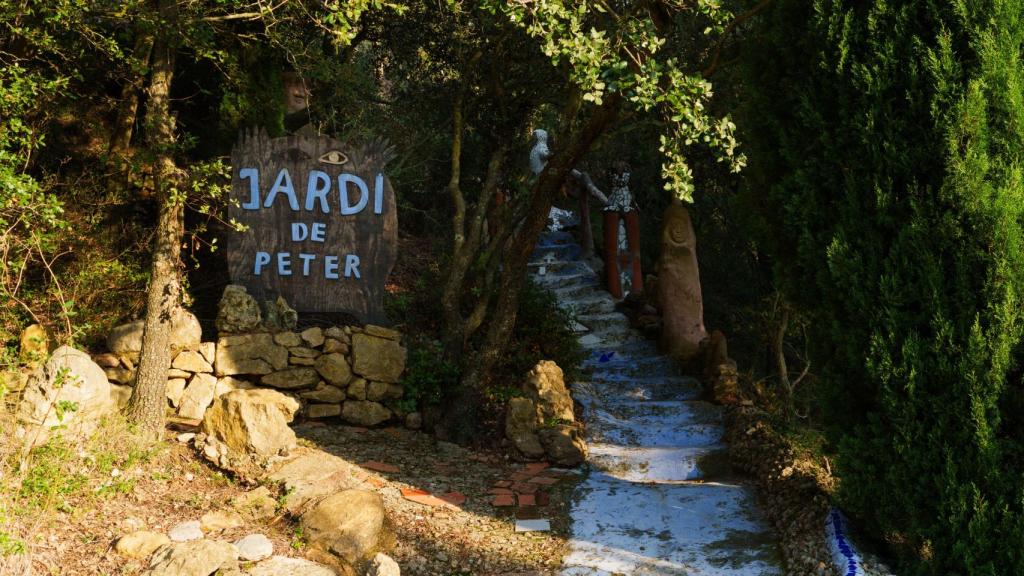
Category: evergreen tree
<point>886,166</point>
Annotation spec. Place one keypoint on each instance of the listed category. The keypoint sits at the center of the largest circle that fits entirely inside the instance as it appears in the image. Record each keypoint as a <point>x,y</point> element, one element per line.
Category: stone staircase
<point>658,498</point>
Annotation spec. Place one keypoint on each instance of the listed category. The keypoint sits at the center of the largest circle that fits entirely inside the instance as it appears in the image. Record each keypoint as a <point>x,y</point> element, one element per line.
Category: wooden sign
<point>322,223</point>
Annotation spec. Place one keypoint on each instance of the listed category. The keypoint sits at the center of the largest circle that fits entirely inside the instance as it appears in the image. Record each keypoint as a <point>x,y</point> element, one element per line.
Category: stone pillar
<point>678,286</point>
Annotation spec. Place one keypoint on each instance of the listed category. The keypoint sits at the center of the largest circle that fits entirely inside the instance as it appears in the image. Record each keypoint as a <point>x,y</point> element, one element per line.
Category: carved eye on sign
<point>334,157</point>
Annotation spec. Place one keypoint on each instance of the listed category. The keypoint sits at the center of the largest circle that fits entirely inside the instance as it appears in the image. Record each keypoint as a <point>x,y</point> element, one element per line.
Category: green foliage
<point>428,374</point>
<point>889,144</point>
<point>543,332</point>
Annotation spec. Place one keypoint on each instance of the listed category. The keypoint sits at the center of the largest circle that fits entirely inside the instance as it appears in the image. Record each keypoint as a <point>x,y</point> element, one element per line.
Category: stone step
<point>573,293</point>
<point>555,252</point>
<point>555,237</point>
<point>610,321</point>
<point>624,365</point>
<point>661,464</point>
<point>621,527</point>
<point>655,424</point>
<point>559,267</point>
<point>599,303</point>
<point>565,280</point>
<point>639,389</point>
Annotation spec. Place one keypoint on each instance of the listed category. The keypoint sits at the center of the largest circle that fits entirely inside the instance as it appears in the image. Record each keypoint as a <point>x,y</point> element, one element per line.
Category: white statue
<point>540,153</point>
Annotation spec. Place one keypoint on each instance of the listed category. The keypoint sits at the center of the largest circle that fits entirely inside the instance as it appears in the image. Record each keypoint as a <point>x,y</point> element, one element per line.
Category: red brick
<point>503,500</point>
<point>527,500</point>
<point>543,498</point>
<point>422,497</point>
<point>500,491</point>
<point>380,466</point>
<point>535,467</point>
<point>521,476</point>
<point>525,487</point>
<point>454,498</point>
<point>543,480</point>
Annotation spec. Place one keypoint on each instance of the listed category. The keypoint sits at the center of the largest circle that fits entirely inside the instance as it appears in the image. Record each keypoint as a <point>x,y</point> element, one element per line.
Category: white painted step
<point>624,528</point>
<point>652,429</point>
<point>659,465</point>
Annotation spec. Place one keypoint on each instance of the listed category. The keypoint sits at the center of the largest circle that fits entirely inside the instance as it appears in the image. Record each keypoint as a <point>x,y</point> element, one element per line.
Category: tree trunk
<point>461,419</point>
<point>146,406</point>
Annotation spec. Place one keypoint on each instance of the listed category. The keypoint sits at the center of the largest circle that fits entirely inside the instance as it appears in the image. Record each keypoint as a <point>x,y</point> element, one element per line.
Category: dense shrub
<point>886,164</point>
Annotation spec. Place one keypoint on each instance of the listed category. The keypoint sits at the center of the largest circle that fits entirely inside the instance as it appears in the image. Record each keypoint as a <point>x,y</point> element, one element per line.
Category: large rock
<point>197,396</point>
<point>237,311</point>
<point>564,445</point>
<point>69,390</point>
<point>324,393</point>
<point>191,361</point>
<point>254,547</point>
<point>35,346</point>
<point>521,423</point>
<point>186,334</point>
<point>383,565</point>
<point>195,558</point>
<point>249,354</point>
<point>545,385</point>
<point>364,413</point>
<point>678,287</point>
<point>284,566</point>
<point>245,427</point>
<point>292,378</point>
<point>351,525</point>
<point>334,368</point>
<point>375,358</point>
<point>278,315</point>
<point>311,476</point>
<point>140,544</point>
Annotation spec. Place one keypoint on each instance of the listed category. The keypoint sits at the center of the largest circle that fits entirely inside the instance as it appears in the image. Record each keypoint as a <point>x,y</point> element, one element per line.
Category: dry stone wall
<point>347,372</point>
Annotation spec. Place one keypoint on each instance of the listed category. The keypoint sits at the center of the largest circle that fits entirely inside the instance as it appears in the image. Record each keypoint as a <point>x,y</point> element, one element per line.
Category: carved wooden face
<point>296,93</point>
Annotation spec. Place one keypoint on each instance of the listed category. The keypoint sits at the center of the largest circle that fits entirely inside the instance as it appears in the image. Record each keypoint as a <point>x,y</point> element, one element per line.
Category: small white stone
<point>254,547</point>
<point>186,531</point>
<point>186,437</point>
<point>383,565</point>
<point>189,477</point>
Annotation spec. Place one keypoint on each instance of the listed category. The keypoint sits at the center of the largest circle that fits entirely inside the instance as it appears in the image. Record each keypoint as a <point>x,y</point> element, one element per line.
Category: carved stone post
<point>678,286</point>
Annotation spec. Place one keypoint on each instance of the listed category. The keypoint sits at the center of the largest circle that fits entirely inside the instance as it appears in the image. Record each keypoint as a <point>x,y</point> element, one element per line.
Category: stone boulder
<point>197,397</point>
<point>376,358</point>
<point>309,477</point>
<point>364,413</point>
<point>69,390</point>
<point>521,427</point>
<point>334,368</point>
<point>383,565</point>
<point>351,525</point>
<point>140,544</point>
<point>248,427</point>
<point>292,378</point>
<point>186,334</point>
<point>545,385</point>
<point>35,346</point>
<point>278,315</point>
<point>237,311</point>
<point>564,445</point>
<point>194,558</point>
<point>285,566</point>
<point>249,354</point>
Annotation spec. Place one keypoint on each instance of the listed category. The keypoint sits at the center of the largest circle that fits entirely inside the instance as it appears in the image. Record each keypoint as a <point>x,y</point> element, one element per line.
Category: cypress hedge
<point>886,143</point>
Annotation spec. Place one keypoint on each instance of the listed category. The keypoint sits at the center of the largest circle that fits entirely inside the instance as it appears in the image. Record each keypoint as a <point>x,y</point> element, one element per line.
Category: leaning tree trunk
<point>461,417</point>
<point>146,406</point>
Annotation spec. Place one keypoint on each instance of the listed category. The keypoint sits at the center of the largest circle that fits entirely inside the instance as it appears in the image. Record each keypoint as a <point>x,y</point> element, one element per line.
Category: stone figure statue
<point>620,205</point>
<point>678,286</point>
<point>540,153</point>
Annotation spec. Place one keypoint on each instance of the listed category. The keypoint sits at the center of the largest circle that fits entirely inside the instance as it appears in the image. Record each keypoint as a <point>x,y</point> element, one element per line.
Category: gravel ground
<point>473,538</point>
